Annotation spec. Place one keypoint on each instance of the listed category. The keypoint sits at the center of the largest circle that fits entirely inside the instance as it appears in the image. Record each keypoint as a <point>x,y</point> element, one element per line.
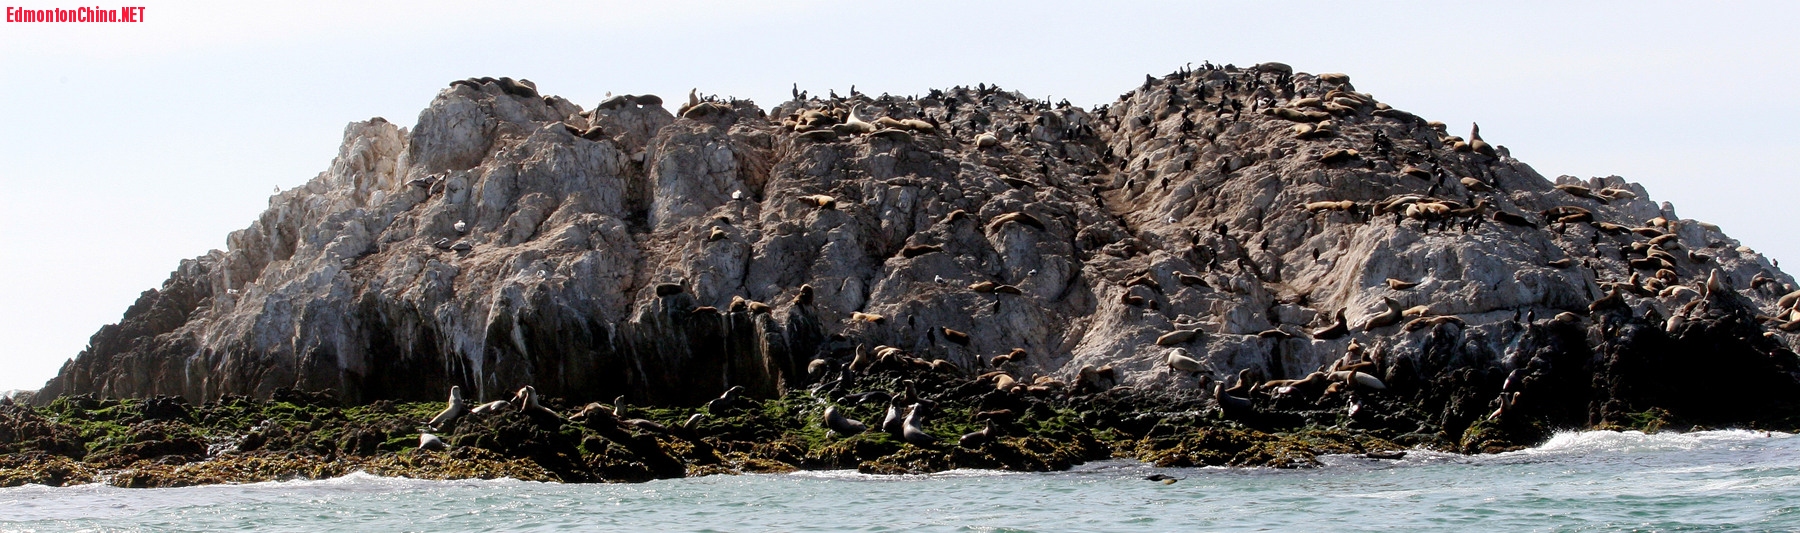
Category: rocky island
<point>1227,266</point>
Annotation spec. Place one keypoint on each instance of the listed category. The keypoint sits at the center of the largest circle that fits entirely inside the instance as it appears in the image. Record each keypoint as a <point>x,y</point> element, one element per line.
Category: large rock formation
<point>513,239</point>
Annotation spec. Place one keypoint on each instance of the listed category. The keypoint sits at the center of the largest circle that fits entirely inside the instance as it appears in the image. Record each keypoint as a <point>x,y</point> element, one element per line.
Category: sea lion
<point>1359,379</point>
<point>987,140</point>
<point>730,399</point>
<point>1274,68</point>
<point>1016,355</point>
<point>854,123</point>
<point>888,122</point>
<point>1415,172</point>
<point>1145,280</point>
<point>452,411</point>
<point>1288,114</point>
<point>1334,78</point>
<point>1385,318</point>
<point>856,316</point>
<point>1190,279</point>
<point>1561,263</point>
<point>1339,155</point>
<point>1019,217</point>
<point>818,135</point>
<point>912,429</point>
<point>1231,405</point>
<point>1788,301</point>
<point>1476,185</point>
<point>820,201</point>
<point>1567,214</point>
<point>1416,311</point>
<point>1611,228</point>
<point>1678,291</point>
<point>919,249</point>
<point>617,102</point>
<point>1338,328</point>
<point>1315,207</point>
<point>491,408</point>
<point>1715,285</point>
<point>977,438</point>
<point>1476,144</point>
<point>431,442</point>
<point>983,286</point>
<point>1180,336</point>
<point>1582,192</point>
<point>527,400</point>
<point>862,360</point>
<point>1504,217</point>
<point>843,425</point>
<point>1179,360</point>
<point>1615,193</point>
<point>894,134</point>
<point>955,216</point>
<point>1004,382</point>
<point>891,422</point>
<point>1398,285</point>
<point>955,336</point>
<point>1429,322</point>
<point>692,101</point>
<point>651,426</point>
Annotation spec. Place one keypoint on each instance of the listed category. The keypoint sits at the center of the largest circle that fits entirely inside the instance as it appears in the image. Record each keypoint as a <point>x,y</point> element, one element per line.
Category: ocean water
<point>1590,481</point>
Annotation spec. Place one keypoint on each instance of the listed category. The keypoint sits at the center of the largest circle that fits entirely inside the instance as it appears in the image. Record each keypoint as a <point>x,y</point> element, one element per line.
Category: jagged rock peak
<point>1252,219</point>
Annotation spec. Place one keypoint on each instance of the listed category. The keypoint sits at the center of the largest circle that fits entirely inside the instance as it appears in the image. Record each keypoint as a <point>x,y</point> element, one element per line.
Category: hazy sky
<point>128,147</point>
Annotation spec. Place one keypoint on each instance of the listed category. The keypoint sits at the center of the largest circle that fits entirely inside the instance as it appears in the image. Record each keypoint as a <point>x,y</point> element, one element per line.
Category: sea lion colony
<point>1223,252</point>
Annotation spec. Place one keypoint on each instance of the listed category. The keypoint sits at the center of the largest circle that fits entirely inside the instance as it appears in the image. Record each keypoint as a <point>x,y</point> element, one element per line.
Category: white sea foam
<point>1604,442</point>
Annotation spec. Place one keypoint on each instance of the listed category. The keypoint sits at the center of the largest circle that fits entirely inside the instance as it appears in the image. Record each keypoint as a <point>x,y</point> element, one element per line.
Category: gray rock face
<point>505,241</point>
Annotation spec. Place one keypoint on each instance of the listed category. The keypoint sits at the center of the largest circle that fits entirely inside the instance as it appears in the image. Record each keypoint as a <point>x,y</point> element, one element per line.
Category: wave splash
<point>1615,442</point>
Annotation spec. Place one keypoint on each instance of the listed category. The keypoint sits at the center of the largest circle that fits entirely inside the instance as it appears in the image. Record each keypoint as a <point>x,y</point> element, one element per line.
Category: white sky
<point>125,148</point>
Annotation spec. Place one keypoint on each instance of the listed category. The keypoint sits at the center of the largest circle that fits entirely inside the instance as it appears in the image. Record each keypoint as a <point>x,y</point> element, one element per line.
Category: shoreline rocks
<point>1345,274</point>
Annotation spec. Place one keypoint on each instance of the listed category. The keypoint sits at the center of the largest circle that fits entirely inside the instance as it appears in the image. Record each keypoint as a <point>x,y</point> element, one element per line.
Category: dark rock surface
<point>515,239</point>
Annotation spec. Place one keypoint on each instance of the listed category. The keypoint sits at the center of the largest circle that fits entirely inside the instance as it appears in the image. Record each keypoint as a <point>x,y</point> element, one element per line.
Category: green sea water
<point>1591,481</point>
